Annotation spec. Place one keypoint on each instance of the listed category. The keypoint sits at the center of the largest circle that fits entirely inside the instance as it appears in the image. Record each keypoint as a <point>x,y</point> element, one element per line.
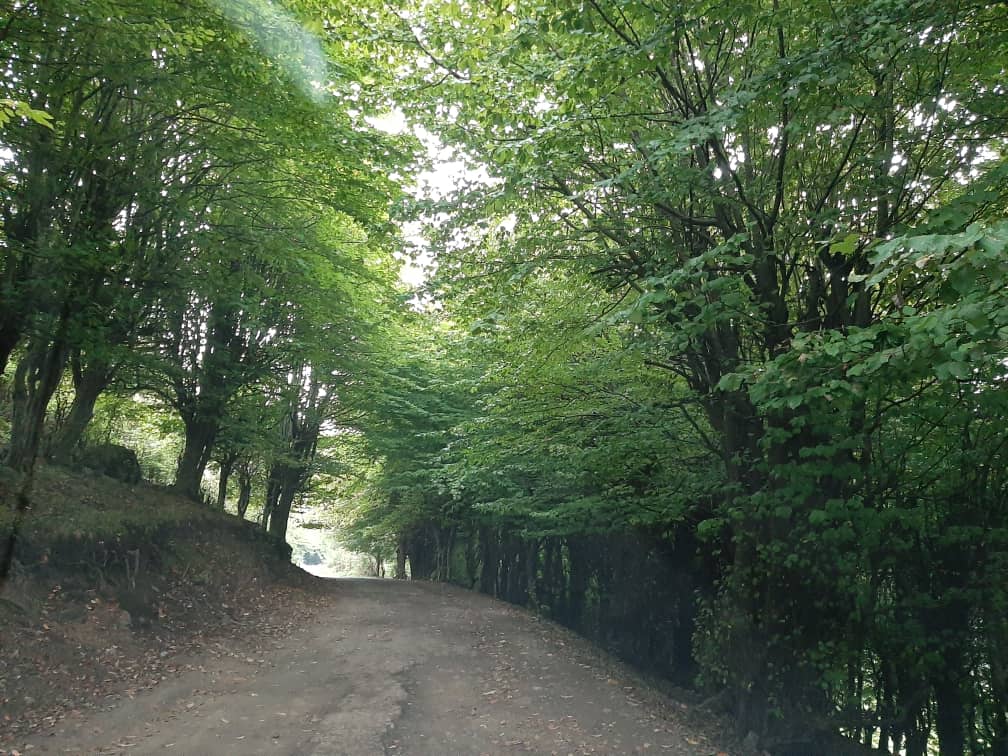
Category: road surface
<point>391,667</point>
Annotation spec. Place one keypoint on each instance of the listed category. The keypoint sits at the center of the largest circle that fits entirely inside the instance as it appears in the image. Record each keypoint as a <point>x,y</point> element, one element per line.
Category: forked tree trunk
<point>244,490</point>
<point>88,386</point>
<point>24,231</point>
<point>35,381</point>
<point>287,480</point>
<point>285,484</point>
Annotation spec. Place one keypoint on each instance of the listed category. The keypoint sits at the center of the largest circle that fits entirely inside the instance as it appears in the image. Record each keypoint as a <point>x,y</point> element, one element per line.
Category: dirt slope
<point>117,588</point>
<point>387,667</point>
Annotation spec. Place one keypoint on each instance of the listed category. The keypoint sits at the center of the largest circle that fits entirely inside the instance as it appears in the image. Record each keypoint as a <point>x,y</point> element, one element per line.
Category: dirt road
<point>391,667</point>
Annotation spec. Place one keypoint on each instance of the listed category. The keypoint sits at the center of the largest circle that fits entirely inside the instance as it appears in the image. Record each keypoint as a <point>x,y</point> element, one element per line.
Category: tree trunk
<point>88,386</point>
<point>531,569</point>
<point>949,716</point>
<point>10,335</point>
<point>400,567</point>
<point>22,233</point>
<point>997,638</point>
<point>447,547</point>
<point>199,440</point>
<point>577,586</point>
<point>472,564</point>
<point>35,381</point>
<point>916,742</point>
<point>490,558</point>
<point>244,489</point>
<point>272,499</point>
<point>225,473</point>
<point>244,495</point>
<point>286,482</point>
<point>547,590</point>
<point>422,556</point>
<point>280,515</point>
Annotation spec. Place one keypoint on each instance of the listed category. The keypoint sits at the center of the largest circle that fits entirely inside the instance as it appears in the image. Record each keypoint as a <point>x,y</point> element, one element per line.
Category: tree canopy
<point>736,280</point>
<point>202,213</point>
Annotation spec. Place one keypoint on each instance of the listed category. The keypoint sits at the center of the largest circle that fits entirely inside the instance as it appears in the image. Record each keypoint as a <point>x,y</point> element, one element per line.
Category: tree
<point>167,155</point>
<point>739,179</point>
<point>66,209</point>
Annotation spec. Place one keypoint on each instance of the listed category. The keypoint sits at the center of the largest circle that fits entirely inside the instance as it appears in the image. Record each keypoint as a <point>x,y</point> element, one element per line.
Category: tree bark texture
<point>35,381</point>
<point>89,384</point>
<point>200,435</point>
<point>226,466</point>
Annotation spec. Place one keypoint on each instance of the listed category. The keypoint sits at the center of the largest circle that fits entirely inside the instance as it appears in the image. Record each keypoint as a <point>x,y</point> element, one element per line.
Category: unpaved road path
<point>390,667</point>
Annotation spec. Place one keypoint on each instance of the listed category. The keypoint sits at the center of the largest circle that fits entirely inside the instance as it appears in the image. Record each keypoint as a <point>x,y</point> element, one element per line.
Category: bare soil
<point>356,667</point>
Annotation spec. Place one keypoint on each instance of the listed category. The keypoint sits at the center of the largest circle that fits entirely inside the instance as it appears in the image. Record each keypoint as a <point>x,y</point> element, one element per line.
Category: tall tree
<point>735,176</point>
<point>163,147</point>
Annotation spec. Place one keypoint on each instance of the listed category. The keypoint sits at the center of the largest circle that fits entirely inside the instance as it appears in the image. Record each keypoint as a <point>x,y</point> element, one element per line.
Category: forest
<point>708,362</point>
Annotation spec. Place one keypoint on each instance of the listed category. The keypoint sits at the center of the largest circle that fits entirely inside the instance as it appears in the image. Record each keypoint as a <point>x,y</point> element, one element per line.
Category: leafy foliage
<point>735,282</point>
<point>206,221</point>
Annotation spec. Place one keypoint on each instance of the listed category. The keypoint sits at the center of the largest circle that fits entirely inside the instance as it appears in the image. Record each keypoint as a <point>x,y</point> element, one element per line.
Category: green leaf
<point>846,246</point>
<point>731,382</point>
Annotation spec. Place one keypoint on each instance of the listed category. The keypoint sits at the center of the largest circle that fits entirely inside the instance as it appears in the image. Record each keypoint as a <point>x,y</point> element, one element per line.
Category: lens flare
<point>283,39</point>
